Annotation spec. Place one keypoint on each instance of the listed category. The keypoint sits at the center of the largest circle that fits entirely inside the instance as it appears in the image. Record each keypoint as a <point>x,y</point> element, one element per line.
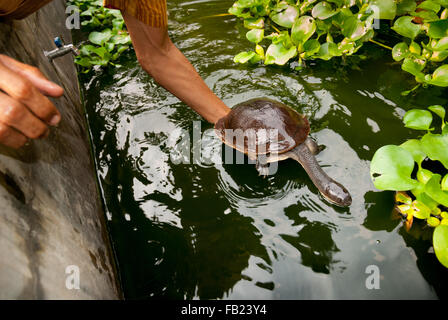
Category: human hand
<point>25,111</point>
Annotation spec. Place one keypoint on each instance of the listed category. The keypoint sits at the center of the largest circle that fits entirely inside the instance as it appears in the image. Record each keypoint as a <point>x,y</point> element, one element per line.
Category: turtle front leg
<point>262,167</point>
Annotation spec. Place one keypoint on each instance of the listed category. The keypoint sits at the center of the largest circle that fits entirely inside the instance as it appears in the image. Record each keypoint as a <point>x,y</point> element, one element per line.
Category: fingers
<point>34,75</point>
<point>11,137</point>
<point>15,115</point>
<point>21,89</point>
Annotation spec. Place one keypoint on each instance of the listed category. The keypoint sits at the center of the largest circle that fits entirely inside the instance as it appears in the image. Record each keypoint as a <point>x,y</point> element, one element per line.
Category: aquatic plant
<point>314,29</point>
<point>421,193</point>
<point>108,37</point>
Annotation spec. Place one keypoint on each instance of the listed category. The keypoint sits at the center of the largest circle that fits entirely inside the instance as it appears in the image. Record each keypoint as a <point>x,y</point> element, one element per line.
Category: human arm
<point>170,68</point>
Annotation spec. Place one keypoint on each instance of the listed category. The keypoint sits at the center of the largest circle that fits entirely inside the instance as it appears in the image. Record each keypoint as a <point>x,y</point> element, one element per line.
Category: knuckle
<point>24,91</point>
<point>38,131</point>
<point>12,113</point>
<point>5,132</point>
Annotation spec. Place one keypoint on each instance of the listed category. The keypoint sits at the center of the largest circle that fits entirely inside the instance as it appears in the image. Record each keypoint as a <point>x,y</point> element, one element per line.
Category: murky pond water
<point>215,231</point>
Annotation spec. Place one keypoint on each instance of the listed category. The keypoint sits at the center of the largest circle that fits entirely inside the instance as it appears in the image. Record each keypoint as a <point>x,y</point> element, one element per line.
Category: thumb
<point>34,75</point>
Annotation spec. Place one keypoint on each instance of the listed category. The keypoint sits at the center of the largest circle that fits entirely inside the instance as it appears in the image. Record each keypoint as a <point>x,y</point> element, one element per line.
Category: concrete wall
<point>50,213</point>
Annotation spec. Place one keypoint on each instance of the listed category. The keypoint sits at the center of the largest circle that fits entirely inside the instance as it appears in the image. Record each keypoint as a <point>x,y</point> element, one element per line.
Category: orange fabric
<point>150,12</point>
<point>19,9</point>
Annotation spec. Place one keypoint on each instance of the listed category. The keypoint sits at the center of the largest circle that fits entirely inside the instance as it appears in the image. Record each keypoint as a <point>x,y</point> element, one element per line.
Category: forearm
<point>171,69</point>
<point>168,66</point>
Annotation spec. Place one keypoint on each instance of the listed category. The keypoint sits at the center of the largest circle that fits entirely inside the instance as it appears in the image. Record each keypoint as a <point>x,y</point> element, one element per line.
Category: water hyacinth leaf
<point>444,183</point>
<point>417,119</point>
<point>433,221</point>
<point>415,48</point>
<point>255,35</point>
<point>414,66</point>
<point>406,28</point>
<point>391,169</point>
<point>441,45</point>
<point>439,56</point>
<point>440,244</point>
<point>438,110</point>
<point>430,5</point>
<point>443,3</point>
<point>421,211</point>
<point>436,146</point>
<point>100,38</point>
<point>424,175</point>
<point>254,23</point>
<point>323,10</point>
<point>328,50</point>
<point>243,57</point>
<point>438,29</point>
<point>311,47</point>
<point>353,29</point>
<point>278,54</point>
<point>415,148</point>
<point>405,6</point>
<point>434,190</point>
<point>387,8</point>
<point>440,76</point>
<point>284,15</point>
<point>302,29</point>
<point>426,199</point>
<point>260,51</point>
<point>402,197</point>
<point>400,51</point>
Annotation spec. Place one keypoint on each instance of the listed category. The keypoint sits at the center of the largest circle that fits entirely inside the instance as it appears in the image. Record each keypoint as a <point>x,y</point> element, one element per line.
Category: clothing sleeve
<point>150,12</point>
<point>19,9</point>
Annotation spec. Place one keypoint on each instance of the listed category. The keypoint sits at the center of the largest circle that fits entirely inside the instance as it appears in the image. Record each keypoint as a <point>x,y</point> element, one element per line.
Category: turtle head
<point>337,194</point>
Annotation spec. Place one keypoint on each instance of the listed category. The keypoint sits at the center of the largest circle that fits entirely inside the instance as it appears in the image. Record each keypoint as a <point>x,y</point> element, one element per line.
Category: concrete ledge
<point>50,211</point>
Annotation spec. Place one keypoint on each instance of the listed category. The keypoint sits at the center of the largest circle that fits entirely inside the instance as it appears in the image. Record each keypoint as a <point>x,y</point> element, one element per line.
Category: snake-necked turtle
<point>291,140</point>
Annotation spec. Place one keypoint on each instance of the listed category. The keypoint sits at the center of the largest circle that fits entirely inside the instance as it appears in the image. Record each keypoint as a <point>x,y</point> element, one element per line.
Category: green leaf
<point>278,54</point>
<point>406,6</point>
<point>406,28</point>
<point>243,57</point>
<point>438,29</point>
<point>421,211</point>
<point>400,51</point>
<point>303,29</point>
<point>323,10</point>
<point>311,47</point>
<point>436,146</point>
<point>414,146</point>
<point>440,244</point>
<point>254,23</point>
<point>438,110</point>
<point>417,119</point>
<point>429,5</point>
<point>100,38</point>
<point>328,50</point>
<point>255,35</point>
<point>353,28</point>
<point>441,45</point>
<point>440,76</point>
<point>284,15</point>
<point>433,221</point>
<point>424,175</point>
<point>439,56</point>
<point>391,169</point>
<point>387,8</point>
<point>414,66</point>
<point>444,183</point>
<point>434,190</point>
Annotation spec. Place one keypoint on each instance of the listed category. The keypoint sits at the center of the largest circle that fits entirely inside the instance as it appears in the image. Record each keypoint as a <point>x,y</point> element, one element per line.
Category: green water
<point>223,232</point>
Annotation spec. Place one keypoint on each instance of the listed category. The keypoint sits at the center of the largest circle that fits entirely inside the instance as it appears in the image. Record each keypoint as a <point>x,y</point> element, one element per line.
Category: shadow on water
<point>215,231</point>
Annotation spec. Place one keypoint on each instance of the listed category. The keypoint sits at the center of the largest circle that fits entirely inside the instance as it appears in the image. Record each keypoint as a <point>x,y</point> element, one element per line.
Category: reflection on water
<point>216,231</point>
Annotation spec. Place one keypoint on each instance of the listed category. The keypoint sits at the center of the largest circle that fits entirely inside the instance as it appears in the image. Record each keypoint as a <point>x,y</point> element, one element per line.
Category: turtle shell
<point>262,126</point>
